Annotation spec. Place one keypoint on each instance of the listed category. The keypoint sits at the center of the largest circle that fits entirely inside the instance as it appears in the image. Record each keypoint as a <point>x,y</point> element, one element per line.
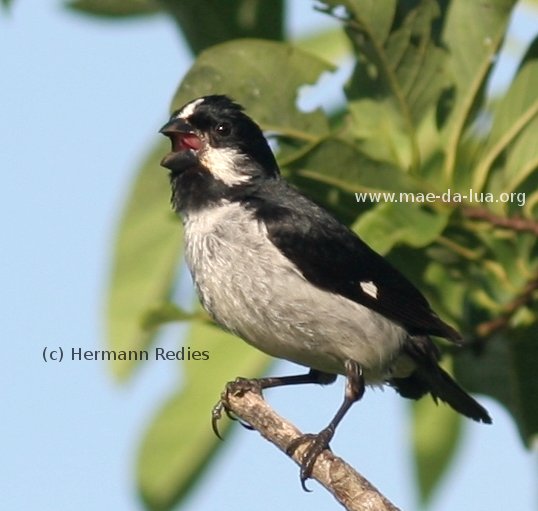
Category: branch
<point>488,328</point>
<point>516,223</point>
<point>349,488</point>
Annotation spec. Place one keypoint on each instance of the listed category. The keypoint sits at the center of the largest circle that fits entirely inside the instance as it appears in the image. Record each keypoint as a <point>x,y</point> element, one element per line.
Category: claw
<point>318,443</point>
<point>235,388</point>
<point>216,414</point>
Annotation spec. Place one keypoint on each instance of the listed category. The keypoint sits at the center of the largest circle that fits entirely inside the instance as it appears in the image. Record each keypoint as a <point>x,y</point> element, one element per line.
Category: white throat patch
<point>225,164</point>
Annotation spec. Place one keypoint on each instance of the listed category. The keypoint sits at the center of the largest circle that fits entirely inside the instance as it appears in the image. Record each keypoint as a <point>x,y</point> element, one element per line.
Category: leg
<point>354,391</point>
<point>242,385</point>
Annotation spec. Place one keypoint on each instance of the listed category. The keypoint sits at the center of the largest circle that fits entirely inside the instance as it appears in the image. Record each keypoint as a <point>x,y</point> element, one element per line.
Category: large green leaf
<point>341,164</point>
<point>445,285</point>
<point>115,8</point>
<point>205,23</point>
<point>408,60</point>
<point>246,70</point>
<point>180,442</point>
<point>522,159</point>
<point>146,255</point>
<point>399,74</point>
<point>377,128</point>
<point>331,45</point>
<point>515,121</point>
<point>391,223</point>
<point>375,16</point>
<point>436,435</point>
<point>473,46</point>
<point>504,367</point>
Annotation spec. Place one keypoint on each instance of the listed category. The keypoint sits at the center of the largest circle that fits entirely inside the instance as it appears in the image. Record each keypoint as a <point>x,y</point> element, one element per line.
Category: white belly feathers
<point>251,289</point>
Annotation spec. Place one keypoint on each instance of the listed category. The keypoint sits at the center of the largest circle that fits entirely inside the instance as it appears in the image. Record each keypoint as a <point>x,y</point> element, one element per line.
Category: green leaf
<point>392,223</point>
<point>473,46</point>
<point>206,23</point>
<point>436,436</point>
<point>446,290</point>
<point>531,204</point>
<point>504,367</point>
<point>377,129</point>
<point>375,15</point>
<point>331,45</point>
<point>512,254</point>
<point>246,71</point>
<point>341,164</point>
<point>522,159</point>
<point>515,122</point>
<point>115,8</point>
<point>146,255</point>
<point>532,50</point>
<point>180,442</point>
<point>400,67</point>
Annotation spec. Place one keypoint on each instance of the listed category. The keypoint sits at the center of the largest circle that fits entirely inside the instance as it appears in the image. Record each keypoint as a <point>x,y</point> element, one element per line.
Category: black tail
<point>430,377</point>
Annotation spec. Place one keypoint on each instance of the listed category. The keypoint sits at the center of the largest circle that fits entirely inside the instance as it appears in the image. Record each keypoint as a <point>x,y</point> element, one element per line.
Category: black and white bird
<point>277,270</point>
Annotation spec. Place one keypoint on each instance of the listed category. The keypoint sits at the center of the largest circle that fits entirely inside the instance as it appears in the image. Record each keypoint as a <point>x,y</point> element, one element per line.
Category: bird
<point>279,271</point>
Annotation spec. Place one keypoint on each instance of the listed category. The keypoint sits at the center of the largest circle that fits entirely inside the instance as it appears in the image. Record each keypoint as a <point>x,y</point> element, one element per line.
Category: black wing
<point>333,258</point>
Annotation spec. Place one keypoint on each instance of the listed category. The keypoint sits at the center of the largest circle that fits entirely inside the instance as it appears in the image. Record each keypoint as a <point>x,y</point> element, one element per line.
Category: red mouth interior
<point>185,141</point>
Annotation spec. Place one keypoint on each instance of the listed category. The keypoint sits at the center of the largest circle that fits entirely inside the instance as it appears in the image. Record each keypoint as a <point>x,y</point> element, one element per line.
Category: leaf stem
<point>482,170</point>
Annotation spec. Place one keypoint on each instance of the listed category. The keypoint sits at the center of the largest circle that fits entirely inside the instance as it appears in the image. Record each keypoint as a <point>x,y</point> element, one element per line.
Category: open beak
<point>184,141</point>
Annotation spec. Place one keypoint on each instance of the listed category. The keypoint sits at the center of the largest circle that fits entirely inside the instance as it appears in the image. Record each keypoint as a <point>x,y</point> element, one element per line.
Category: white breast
<point>251,289</point>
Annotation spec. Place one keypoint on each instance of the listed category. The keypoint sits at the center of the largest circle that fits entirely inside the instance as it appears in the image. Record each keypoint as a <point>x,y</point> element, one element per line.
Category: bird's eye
<point>223,129</point>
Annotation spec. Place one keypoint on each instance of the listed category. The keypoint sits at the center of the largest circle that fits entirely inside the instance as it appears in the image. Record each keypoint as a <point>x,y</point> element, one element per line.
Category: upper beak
<point>176,126</point>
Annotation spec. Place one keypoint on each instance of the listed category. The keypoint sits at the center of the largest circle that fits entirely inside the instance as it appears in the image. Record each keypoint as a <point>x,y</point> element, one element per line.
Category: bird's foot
<point>317,444</point>
<point>238,387</point>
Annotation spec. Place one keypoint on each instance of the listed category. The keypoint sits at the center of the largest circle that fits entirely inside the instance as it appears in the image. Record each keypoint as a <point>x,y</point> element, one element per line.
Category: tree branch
<point>349,488</point>
<point>515,223</point>
<point>488,328</point>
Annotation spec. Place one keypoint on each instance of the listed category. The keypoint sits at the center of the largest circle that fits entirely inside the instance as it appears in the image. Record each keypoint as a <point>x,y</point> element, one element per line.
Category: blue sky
<point>81,103</point>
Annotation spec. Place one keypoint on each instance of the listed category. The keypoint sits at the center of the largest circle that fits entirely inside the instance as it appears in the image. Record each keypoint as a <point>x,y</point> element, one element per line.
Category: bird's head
<point>213,135</point>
